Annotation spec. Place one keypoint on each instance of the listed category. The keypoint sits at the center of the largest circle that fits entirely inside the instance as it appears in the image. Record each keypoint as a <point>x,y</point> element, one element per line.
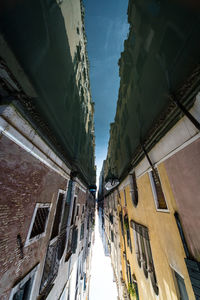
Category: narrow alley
<point>99,150</point>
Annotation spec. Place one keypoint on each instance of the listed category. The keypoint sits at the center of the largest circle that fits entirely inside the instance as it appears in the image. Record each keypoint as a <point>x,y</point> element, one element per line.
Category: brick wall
<point>24,181</point>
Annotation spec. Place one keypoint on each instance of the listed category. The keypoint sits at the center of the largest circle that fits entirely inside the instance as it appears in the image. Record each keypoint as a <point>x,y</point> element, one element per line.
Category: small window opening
<point>157,190</point>
<point>58,216</point>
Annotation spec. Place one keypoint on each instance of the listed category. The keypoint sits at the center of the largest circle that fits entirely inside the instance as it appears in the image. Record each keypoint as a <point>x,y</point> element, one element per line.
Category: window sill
<point>34,239</point>
<point>163,210</point>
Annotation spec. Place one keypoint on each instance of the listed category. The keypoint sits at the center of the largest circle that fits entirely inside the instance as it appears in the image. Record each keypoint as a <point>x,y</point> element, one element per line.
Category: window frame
<point>83,209</point>
<point>140,232</point>
<point>77,210</point>
<point>37,237</point>
<point>31,274</point>
<point>155,196</point>
<point>74,210</point>
<point>125,200</point>
<point>61,217</point>
<point>133,189</point>
<point>174,272</point>
<point>82,231</point>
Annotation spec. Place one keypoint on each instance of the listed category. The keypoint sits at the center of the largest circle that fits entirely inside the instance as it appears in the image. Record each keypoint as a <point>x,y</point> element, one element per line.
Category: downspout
<point>178,222</point>
<point>150,162</point>
<point>186,112</point>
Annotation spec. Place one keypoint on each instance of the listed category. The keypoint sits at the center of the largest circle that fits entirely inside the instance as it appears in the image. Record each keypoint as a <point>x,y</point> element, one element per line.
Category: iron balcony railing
<point>54,254</point>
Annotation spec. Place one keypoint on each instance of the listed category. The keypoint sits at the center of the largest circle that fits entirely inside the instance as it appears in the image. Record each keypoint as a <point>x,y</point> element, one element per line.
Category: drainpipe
<point>150,162</point>
<point>178,222</point>
<point>186,112</point>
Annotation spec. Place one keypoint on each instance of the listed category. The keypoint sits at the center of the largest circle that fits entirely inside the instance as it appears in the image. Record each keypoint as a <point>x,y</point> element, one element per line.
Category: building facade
<point>46,151</point>
<point>153,152</point>
<point>159,249</point>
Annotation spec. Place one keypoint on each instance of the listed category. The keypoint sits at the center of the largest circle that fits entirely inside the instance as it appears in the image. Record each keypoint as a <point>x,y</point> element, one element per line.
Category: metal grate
<point>40,221</point>
<point>53,257</point>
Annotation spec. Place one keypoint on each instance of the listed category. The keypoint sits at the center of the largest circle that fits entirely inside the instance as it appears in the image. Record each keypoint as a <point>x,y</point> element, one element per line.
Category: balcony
<point>54,254</point>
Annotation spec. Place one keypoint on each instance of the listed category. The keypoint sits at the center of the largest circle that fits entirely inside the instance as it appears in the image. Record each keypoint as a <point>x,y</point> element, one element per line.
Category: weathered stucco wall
<point>183,170</point>
<point>165,241</point>
<point>24,181</point>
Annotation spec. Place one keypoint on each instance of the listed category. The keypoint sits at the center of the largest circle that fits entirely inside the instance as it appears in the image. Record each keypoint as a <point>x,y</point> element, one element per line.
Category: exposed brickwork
<point>24,181</point>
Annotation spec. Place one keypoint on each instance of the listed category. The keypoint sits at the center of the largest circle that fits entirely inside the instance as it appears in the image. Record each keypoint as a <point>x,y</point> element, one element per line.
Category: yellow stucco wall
<point>166,244</point>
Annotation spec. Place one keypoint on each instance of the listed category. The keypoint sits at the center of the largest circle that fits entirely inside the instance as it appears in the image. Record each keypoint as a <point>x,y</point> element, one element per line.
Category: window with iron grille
<point>39,220</point>
<point>157,190</point>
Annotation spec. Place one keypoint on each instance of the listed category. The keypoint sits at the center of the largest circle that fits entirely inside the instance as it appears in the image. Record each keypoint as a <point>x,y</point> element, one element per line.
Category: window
<point>58,215</point>
<point>128,238</point>
<point>78,49</point>
<point>125,203</point>
<point>143,253</point>
<point>88,223</point>
<point>127,230</point>
<point>133,189</point>
<point>77,210</point>
<point>82,231</point>
<point>111,218</point>
<point>157,190</point>
<point>112,236</point>
<point>129,273</point>
<point>180,286</point>
<point>73,211</point>
<point>23,289</point>
<point>121,223</point>
<point>74,239</point>
<point>83,209</point>
<point>39,222</point>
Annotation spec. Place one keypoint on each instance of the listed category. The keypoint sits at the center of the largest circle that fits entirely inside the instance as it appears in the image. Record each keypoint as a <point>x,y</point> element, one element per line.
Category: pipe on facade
<point>185,246</point>
<point>186,112</point>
